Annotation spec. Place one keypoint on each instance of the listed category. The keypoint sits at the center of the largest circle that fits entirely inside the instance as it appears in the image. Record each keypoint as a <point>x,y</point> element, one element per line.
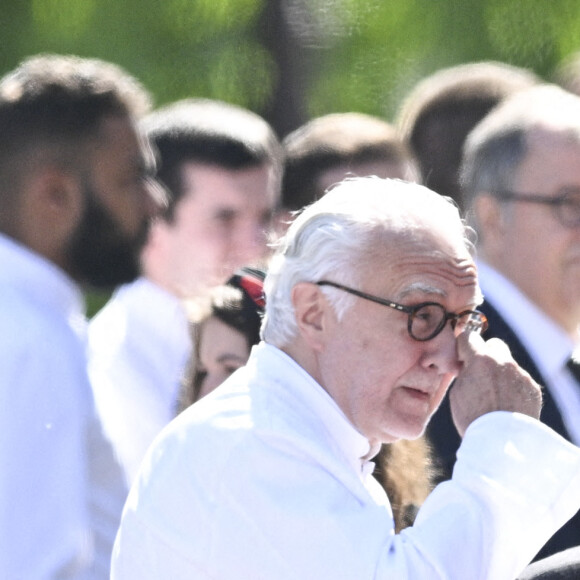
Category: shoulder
<point>122,319</point>
<point>132,315</point>
<point>244,424</point>
<point>31,326</point>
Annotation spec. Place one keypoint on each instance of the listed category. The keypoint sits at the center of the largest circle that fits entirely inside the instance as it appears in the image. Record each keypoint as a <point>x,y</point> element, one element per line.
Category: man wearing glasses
<point>371,312</point>
<point>521,179</point>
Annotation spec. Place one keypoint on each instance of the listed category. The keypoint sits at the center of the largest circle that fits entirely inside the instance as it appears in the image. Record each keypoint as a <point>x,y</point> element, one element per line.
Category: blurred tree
<point>292,59</point>
<point>286,108</point>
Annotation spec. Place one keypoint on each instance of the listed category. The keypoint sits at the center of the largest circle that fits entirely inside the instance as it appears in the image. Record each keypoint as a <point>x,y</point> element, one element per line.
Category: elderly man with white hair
<point>371,312</point>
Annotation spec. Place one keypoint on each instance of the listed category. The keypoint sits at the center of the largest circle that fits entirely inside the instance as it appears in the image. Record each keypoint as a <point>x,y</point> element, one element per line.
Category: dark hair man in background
<point>221,165</point>
<point>326,149</point>
<point>440,111</point>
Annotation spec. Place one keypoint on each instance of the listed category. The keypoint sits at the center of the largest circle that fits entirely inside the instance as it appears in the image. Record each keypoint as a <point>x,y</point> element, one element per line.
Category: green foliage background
<point>292,59</point>
<point>358,54</point>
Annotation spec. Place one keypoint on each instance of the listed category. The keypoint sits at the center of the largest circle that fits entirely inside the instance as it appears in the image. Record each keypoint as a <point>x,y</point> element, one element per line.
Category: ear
<point>154,254</point>
<point>53,206</point>
<point>312,311</point>
<point>491,222</point>
<point>59,193</point>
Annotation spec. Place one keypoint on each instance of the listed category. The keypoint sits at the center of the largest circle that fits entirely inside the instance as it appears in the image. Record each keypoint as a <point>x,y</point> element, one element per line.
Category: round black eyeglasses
<point>565,205</point>
<point>425,320</point>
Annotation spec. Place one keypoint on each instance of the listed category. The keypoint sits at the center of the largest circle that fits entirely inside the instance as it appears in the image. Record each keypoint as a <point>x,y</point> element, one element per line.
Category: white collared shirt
<point>547,343</point>
<point>265,478</point>
<point>61,493</point>
<point>139,344</point>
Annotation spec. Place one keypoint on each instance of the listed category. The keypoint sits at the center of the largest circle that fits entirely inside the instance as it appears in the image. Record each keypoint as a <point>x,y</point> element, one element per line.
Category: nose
<point>441,353</point>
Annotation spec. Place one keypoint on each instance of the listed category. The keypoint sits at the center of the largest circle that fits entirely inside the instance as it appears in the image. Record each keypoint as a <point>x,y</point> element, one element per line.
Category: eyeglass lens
<point>565,205</point>
<point>568,209</point>
<point>430,319</point>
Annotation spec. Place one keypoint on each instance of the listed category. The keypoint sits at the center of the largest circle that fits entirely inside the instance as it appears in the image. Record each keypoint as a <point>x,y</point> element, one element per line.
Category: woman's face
<point>222,350</point>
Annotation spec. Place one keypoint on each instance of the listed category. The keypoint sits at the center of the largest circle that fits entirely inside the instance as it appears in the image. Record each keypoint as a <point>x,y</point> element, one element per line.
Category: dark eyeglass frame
<point>560,203</point>
<point>478,325</point>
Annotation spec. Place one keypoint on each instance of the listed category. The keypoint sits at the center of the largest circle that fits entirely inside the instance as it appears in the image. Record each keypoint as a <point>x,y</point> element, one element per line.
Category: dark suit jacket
<point>445,440</point>
<point>561,566</point>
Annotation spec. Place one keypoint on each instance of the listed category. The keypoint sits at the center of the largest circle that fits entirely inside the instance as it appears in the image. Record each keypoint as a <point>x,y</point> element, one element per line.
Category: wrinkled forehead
<point>418,256</point>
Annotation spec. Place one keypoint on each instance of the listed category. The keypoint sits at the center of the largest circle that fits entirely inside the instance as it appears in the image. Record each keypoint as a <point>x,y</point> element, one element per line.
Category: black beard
<point>100,255</point>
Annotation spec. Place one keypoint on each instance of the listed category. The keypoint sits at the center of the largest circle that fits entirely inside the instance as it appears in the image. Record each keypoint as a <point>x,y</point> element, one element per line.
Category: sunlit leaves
<point>244,68</point>
<point>523,36</point>
<point>201,20</point>
<point>359,54</point>
<point>62,17</point>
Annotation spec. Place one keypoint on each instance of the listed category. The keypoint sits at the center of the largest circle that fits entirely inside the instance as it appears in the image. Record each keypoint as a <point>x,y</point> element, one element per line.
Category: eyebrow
<point>421,287</point>
<point>229,357</point>
<point>428,289</point>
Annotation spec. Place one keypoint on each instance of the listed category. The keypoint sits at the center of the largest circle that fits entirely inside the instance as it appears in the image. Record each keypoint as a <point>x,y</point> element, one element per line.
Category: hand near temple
<point>490,381</point>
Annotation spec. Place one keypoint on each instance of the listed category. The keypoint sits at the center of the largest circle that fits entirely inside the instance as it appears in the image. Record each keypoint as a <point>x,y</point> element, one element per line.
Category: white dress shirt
<point>139,344</point>
<point>547,343</point>
<point>266,479</point>
<point>61,493</point>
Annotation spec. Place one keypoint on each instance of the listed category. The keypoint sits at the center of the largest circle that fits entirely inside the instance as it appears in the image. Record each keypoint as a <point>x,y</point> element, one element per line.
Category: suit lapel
<point>498,328</point>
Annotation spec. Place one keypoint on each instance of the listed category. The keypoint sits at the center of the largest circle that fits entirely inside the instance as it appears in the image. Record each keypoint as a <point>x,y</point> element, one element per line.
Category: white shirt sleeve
<point>271,511</point>
<point>514,484</point>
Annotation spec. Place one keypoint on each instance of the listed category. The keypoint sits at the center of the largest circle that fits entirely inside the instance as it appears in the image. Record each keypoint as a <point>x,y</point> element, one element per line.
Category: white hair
<point>334,237</point>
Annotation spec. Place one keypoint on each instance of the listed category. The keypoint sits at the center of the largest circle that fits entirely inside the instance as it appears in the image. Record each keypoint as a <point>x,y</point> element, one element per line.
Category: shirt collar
<point>352,443</point>
<point>163,312</point>
<point>548,344</point>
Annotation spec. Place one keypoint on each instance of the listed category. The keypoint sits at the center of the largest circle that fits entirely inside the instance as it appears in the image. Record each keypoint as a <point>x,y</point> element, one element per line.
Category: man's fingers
<point>498,350</point>
<point>470,344</point>
<point>490,380</point>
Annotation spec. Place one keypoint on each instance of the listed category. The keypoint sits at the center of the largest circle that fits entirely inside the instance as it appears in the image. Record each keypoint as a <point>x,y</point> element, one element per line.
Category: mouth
<point>416,393</point>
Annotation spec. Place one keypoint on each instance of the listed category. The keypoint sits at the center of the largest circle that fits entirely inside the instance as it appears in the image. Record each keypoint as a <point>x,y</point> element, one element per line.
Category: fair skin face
<point>387,384</point>
<point>529,245</point>
<point>222,350</point>
<point>221,224</point>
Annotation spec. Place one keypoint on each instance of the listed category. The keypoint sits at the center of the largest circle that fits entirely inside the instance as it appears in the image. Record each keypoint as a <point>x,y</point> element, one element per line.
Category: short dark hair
<point>211,132</point>
<point>334,140</point>
<point>55,103</point>
<point>443,108</point>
